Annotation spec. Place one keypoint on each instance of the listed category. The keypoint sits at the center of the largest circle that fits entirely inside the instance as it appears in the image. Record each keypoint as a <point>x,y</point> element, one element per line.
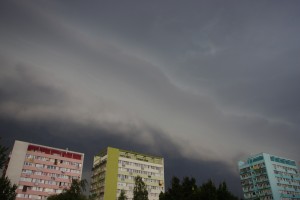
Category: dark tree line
<point>187,189</point>
<point>7,189</point>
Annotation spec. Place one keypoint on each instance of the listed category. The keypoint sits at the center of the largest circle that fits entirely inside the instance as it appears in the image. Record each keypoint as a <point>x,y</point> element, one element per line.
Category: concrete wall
<point>16,162</point>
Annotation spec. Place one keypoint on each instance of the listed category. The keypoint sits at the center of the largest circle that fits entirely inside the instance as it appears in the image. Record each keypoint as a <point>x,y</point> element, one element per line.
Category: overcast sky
<point>202,83</point>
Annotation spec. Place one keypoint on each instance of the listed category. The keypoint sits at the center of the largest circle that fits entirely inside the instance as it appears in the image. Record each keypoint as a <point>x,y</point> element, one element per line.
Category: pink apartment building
<point>40,171</point>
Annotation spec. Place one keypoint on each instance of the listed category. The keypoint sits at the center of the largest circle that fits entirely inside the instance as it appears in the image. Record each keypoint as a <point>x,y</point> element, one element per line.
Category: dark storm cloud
<point>28,95</point>
<point>205,82</point>
<point>245,53</point>
<point>25,95</point>
<point>247,58</point>
<point>59,131</point>
<point>19,85</point>
<point>52,133</point>
<point>26,90</point>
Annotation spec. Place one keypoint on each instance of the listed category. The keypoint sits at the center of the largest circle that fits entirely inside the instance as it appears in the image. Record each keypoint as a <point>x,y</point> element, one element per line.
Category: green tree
<point>162,196</point>
<point>175,192</point>
<point>188,190</point>
<point>75,192</point>
<point>140,191</point>
<point>77,187</point>
<point>208,191</point>
<point>3,155</point>
<point>7,189</point>
<point>224,194</point>
<point>122,195</point>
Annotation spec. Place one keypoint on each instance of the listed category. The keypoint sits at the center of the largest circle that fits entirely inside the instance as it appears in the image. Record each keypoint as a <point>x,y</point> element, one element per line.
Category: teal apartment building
<point>265,177</point>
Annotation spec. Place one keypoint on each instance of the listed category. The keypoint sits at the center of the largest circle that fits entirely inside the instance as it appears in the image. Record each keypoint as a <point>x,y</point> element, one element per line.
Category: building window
<point>25,187</point>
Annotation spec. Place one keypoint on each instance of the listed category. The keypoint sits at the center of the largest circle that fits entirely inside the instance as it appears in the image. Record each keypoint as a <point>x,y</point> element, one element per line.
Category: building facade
<point>115,170</point>
<point>265,177</point>
<point>40,171</point>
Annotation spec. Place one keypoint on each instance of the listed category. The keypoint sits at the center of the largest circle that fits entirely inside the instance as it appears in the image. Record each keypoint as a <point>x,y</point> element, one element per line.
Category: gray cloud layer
<point>207,82</point>
<point>47,120</point>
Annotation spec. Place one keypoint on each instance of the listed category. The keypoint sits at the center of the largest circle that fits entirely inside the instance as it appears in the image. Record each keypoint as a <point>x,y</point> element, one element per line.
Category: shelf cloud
<point>203,83</point>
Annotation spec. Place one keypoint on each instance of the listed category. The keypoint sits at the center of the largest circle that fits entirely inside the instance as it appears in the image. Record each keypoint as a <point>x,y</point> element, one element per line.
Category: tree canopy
<point>140,190</point>
<point>75,192</point>
<point>188,190</point>
<point>122,195</point>
<point>3,155</point>
<point>7,189</point>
